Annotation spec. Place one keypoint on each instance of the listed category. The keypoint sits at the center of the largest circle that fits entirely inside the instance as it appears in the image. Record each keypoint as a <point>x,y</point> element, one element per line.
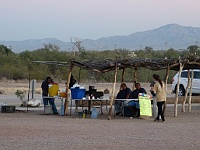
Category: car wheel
<point>181,91</point>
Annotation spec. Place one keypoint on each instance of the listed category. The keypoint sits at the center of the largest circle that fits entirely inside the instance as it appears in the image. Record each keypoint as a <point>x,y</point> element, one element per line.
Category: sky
<point>91,19</point>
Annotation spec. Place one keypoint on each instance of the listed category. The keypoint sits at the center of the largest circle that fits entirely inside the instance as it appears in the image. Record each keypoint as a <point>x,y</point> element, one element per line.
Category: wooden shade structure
<point>106,65</point>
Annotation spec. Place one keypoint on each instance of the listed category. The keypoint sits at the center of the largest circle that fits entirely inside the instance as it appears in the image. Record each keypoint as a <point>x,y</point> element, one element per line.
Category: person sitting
<point>134,105</point>
<point>124,93</point>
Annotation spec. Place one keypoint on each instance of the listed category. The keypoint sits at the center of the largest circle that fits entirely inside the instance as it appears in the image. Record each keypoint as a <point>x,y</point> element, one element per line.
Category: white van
<point>184,82</point>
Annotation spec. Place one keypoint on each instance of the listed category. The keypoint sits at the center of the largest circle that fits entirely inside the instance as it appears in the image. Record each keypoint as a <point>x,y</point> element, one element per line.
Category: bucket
<point>48,110</point>
<point>94,114</point>
<point>80,113</point>
<point>53,89</point>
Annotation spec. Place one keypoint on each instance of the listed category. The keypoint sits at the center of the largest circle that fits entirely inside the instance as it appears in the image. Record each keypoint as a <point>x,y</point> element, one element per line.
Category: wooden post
<point>134,78</point>
<point>29,85</point>
<point>186,91</point>
<point>79,76</point>
<point>166,79</point>
<point>113,92</point>
<point>67,87</point>
<point>177,90</point>
<point>167,76</point>
<point>123,72</point>
<point>190,96</point>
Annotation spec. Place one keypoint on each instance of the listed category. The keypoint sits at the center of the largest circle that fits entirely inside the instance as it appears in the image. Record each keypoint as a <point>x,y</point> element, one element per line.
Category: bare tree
<point>77,42</point>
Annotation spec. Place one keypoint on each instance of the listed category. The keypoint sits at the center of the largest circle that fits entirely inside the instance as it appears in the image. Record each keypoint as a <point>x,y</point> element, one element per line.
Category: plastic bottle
<point>84,114</point>
<point>62,108</point>
<point>59,93</point>
<point>94,114</point>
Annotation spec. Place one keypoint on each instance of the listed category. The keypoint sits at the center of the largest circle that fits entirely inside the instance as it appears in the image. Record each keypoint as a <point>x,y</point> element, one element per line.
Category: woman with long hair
<point>159,90</point>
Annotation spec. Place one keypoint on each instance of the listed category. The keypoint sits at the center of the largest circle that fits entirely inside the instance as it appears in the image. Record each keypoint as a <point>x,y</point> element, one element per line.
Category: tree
<point>148,49</point>
<point>171,53</point>
<point>77,42</point>
<point>5,50</point>
<point>51,47</point>
<point>193,48</point>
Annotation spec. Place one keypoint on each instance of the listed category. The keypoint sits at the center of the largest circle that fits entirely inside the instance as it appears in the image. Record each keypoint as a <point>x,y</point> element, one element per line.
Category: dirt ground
<point>34,130</point>
<point>9,87</point>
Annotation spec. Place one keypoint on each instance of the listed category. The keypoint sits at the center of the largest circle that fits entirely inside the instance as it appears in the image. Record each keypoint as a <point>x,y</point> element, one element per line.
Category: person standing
<point>124,93</point>
<point>151,87</point>
<point>159,91</point>
<point>45,93</point>
<point>72,82</point>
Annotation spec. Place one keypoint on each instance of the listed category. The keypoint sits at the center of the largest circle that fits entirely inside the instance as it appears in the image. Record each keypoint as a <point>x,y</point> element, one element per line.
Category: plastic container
<point>48,109</point>
<point>106,96</point>
<point>61,112</point>
<point>53,89</point>
<point>2,104</point>
<point>94,114</point>
<point>77,93</point>
<point>8,109</point>
<point>63,94</point>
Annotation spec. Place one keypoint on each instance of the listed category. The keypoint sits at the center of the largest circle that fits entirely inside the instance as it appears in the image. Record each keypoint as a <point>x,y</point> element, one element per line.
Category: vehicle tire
<point>181,91</point>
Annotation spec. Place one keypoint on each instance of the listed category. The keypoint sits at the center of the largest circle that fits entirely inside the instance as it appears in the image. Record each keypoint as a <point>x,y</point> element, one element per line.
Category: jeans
<point>160,110</point>
<point>51,102</point>
<point>134,104</point>
<point>118,106</point>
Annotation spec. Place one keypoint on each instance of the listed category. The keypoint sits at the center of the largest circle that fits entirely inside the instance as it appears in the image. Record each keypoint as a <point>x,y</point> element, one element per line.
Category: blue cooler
<point>77,93</point>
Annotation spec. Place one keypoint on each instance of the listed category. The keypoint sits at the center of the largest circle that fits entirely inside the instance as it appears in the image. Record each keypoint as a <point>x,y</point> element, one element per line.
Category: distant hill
<point>34,44</point>
<point>171,35</point>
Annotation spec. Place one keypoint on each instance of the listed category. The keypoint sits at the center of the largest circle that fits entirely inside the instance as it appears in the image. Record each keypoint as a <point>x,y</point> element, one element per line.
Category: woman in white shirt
<point>159,89</point>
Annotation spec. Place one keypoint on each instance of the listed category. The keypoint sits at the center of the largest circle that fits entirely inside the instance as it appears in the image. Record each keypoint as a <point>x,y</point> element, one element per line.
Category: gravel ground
<point>33,130</point>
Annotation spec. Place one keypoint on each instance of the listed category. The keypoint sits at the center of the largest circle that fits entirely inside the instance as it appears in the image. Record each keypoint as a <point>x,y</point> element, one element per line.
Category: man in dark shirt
<point>134,105</point>
<point>138,90</point>
<point>45,93</point>
<point>124,93</point>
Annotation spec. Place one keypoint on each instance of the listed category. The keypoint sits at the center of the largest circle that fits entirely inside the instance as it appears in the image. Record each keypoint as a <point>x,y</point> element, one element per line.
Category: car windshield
<point>196,74</point>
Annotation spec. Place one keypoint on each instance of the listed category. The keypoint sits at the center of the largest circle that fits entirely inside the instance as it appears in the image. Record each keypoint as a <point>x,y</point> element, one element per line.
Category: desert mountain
<point>171,35</point>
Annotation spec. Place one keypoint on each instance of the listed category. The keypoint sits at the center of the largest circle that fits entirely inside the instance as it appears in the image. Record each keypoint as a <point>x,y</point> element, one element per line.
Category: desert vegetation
<point>17,66</point>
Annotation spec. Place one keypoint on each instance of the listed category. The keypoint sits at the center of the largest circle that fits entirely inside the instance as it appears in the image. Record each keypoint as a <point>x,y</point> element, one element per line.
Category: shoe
<point>118,113</point>
<point>56,113</point>
<point>135,115</point>
<point>156,120</point>
<point>138,115</point>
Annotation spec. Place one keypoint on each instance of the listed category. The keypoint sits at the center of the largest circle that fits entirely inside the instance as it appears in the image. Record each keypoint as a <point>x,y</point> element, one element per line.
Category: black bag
<point>128,112</point>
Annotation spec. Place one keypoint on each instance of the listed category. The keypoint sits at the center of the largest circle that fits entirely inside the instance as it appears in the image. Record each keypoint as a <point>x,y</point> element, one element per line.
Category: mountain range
<point>165,37</point>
